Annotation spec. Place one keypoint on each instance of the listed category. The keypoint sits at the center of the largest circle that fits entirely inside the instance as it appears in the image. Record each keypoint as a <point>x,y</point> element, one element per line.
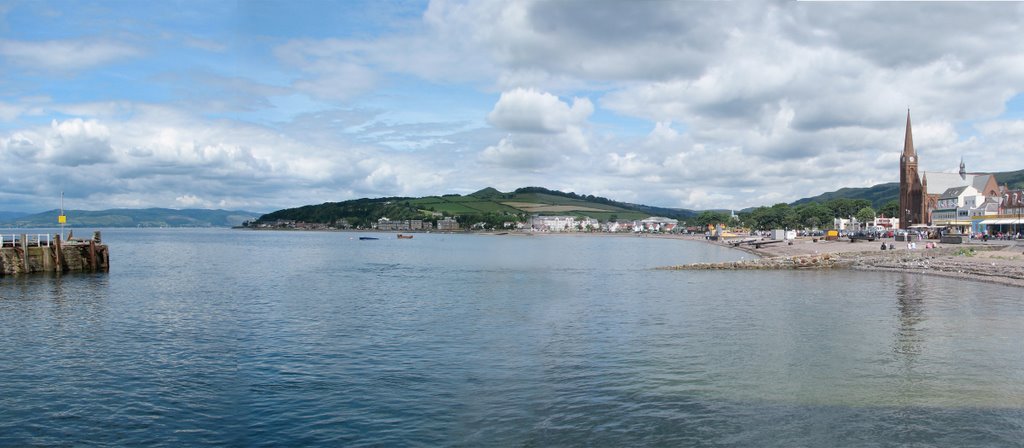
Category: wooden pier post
<point>59,254</point>
<point>92,255</point>
<point>24,253</point>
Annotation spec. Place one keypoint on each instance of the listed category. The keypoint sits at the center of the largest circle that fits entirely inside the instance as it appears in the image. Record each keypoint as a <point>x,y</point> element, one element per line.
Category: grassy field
<point>530,203</point>
<point>460,205</point>
<point>567,203</point>
<point>531,207</point>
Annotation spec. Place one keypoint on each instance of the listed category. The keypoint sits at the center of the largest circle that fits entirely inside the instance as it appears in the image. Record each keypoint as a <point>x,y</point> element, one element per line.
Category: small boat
<point>365,238</point>
<point>404,237</point>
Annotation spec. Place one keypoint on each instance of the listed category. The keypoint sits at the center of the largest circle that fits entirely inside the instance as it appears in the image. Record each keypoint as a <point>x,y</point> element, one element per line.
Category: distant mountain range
<point>5,216</point>
<point>149,217</point>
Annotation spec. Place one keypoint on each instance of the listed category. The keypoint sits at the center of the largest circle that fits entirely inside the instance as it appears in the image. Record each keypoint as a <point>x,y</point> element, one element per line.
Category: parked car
<point>862,235</point>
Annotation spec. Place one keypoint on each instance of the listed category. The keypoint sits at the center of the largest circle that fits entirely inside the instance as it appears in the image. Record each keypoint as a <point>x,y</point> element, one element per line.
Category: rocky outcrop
<point>815,261</point>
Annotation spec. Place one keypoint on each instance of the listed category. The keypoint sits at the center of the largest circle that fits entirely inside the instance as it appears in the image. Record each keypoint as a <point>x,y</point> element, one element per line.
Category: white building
<point>553,223</point>
<point>877,224</point>
<point>655,224</point>
<point>953,209</point>
<point>562,223</point>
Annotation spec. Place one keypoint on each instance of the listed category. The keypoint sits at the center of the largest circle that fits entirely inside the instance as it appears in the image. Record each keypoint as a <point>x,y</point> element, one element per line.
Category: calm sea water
<point>287,339</point>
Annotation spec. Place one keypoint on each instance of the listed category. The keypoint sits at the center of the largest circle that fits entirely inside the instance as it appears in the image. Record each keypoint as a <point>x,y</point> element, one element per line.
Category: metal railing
<point>37,240</point>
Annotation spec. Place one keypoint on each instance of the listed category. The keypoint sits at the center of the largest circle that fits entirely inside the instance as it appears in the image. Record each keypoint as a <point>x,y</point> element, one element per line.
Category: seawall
<point>25,254</point>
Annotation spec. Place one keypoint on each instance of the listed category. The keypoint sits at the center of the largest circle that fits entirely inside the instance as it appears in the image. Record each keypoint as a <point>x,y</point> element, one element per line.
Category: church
<point>952,200</point>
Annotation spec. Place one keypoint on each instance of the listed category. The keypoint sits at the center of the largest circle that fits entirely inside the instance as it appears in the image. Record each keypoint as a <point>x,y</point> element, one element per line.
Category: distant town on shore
<point>958,202</point>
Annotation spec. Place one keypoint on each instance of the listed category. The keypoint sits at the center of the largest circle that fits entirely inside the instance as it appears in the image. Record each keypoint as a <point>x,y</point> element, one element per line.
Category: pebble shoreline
<point>1003,264</point>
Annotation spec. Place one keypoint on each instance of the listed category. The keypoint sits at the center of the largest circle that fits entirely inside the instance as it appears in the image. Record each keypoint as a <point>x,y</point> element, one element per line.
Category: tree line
<point>812,215</point>
<point>364,213</point>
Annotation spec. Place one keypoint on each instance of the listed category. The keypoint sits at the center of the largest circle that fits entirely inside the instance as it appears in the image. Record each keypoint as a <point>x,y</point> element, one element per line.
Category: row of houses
<point>536,223</point>
<point>966,208</point>
<point>385,224</point>
<point>292,224</point>
<point>445,225</point>
<point>539,223</point>
<point>879,223</point>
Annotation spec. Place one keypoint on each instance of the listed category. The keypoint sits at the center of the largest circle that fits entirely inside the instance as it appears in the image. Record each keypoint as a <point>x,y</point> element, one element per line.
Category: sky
<point>262,105</point>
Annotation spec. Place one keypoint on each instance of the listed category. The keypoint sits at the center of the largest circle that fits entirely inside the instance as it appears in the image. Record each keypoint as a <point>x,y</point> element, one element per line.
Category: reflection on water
<point>909,339</point>
<point>910,297</point>
<point>299,338</point>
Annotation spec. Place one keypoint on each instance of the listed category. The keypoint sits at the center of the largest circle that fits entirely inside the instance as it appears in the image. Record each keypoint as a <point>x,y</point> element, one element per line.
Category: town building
<point>1008,220</point>
<point>942,199</point>
<point>879,224</point>
<point>912,191</point>
<point>655,224</point>
<point>953,208</point>
<point>618,226</point>
<point>447,224</point>
<point>385,224</point>
<point>542,223</point>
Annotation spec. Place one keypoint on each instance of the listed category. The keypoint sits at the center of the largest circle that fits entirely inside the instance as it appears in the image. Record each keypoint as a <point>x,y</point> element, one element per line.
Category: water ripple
<point>291,339</point>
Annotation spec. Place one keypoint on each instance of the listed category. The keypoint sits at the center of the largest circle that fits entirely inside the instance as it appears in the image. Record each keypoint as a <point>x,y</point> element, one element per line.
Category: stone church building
<point>942,199</point>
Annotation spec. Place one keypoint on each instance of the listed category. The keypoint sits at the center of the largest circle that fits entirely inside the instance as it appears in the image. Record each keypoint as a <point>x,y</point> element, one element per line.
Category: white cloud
<point>78,142</point>
<point>190,201</point>
<point>546,133</point>
<point>19,147</point>
<point>527,110</point>
<point>65,54</point>
<point>8,112</point>
<point>332,69</point>
<point>530,156</point>
<point>742,103</point>
<point>161,156</point>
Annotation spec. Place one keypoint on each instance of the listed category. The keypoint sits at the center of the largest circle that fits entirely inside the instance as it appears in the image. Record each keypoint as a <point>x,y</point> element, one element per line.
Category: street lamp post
<point>1018,200</point>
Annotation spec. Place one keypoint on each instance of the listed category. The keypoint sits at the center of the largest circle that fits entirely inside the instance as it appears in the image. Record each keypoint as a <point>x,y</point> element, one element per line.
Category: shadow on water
<point>60,288</point>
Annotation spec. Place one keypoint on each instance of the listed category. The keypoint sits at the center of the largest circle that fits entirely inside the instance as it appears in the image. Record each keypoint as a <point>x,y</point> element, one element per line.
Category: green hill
<point>488,205</point>
<point>150,217</point>
<point>882,193</point>
<point>1014,179</point>
<point>878,195</point>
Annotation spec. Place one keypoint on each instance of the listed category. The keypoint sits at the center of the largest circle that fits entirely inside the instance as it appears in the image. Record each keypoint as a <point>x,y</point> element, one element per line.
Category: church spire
<point>908,141</point>
<point>963,169</point>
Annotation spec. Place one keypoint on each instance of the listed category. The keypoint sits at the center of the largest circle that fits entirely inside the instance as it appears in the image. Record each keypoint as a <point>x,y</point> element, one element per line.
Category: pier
<point>29,253</point>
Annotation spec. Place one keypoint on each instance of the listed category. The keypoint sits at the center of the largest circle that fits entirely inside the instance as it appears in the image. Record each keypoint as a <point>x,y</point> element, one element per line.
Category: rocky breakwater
<point>810,261</point>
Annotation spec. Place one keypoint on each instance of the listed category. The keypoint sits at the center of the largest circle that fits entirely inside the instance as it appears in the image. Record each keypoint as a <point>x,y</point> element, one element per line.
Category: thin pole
<point>62,218</point>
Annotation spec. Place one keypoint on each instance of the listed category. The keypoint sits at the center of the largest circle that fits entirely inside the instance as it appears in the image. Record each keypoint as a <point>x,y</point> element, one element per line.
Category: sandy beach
<point>997,261</point>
